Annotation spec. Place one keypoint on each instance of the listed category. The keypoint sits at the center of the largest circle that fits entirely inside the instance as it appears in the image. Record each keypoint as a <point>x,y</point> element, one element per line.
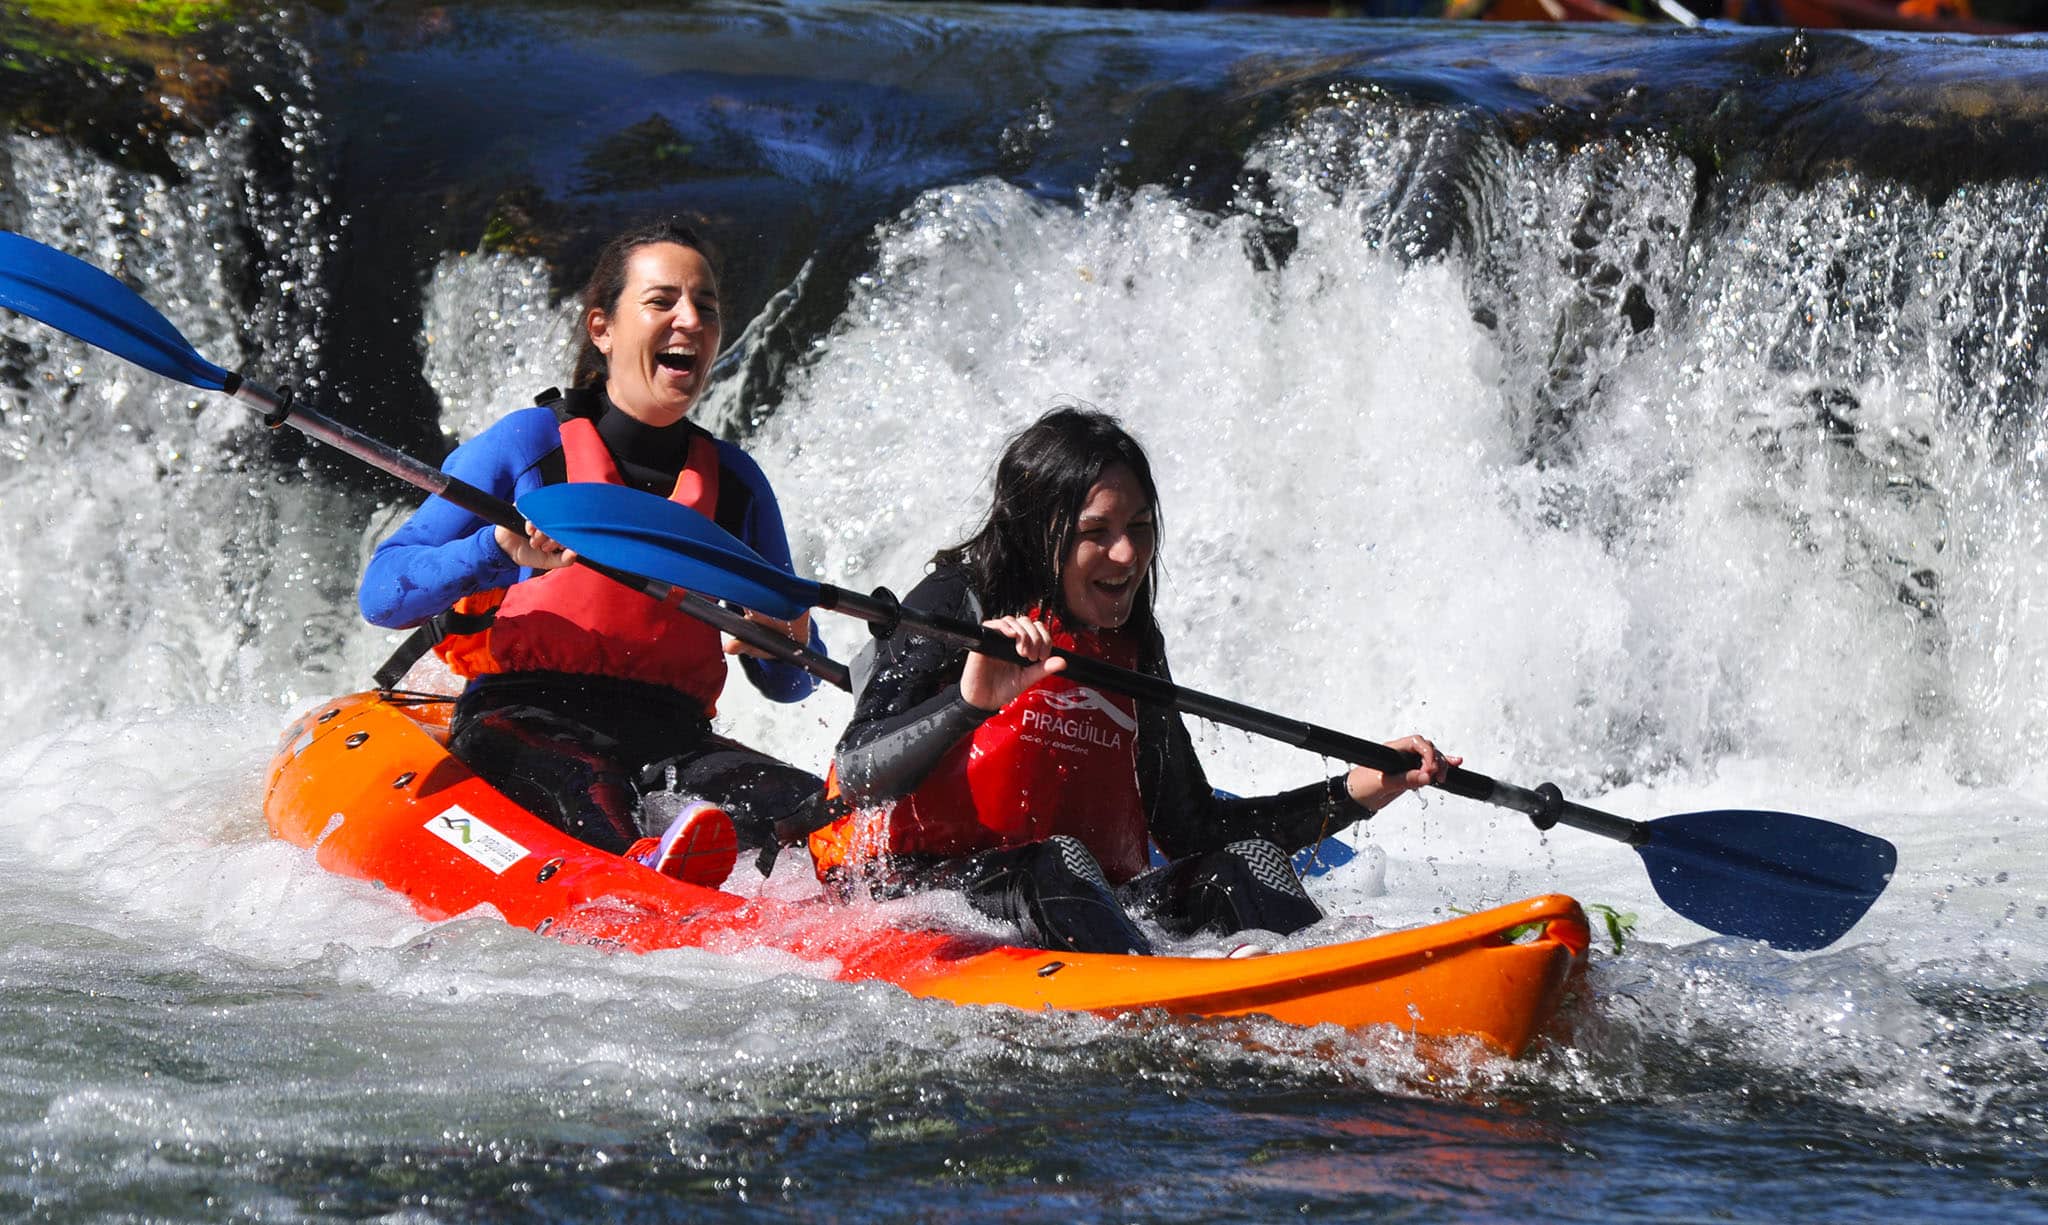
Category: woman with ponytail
<point>584,695</point>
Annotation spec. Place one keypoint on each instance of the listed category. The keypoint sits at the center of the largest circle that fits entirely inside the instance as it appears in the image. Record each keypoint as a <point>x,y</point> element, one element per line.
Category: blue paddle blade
<point>73,296</point>
<point>1323,856</point>
<point>1308,861</point>
<point>631,530</point>
<point>1798,882</point>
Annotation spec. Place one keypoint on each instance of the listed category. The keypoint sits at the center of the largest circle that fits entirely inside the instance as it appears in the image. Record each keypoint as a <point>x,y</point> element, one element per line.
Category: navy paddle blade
<point>630,530</point>
<point>73,296</point>
<point>1798,882</point>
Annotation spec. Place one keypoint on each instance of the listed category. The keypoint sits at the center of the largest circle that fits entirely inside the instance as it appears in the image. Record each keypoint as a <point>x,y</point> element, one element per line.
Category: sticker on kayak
<point>474,838</point>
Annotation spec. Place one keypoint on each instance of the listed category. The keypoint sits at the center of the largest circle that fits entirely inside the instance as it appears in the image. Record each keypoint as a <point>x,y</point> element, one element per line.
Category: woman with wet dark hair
<point>585,694</point>
<point>1036,796</point>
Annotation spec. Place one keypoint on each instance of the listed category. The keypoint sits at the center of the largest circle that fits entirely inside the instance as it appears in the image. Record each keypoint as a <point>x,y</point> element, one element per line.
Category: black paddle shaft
<point>278,410</point>
<point>1545,805</point>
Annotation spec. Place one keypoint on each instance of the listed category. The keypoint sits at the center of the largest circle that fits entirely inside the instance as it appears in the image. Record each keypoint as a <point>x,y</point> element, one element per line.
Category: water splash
<point>165,567</point>
<point>492,340</point>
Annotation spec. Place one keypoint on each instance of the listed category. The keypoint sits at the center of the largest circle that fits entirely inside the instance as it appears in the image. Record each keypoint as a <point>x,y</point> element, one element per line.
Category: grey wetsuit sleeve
<point>908,713</point>
<point>897,758</point>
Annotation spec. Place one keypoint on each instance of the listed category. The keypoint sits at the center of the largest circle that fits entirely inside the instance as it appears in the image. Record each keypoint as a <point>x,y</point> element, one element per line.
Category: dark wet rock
<point>788,135</point>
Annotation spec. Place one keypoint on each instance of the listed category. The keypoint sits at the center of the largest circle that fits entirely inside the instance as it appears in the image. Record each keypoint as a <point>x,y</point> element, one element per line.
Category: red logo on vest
<point>1060,759</point>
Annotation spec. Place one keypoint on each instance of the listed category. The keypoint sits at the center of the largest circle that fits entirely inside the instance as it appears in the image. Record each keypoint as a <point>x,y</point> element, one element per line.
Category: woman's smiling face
<point>661,335</point>
<point>1111,552</point>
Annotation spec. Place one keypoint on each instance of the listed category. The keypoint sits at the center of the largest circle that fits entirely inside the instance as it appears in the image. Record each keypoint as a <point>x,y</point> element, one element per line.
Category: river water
<point>1656,413</point>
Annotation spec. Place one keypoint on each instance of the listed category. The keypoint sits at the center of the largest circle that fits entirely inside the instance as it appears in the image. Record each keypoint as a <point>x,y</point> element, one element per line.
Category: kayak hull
<point>366,782</point>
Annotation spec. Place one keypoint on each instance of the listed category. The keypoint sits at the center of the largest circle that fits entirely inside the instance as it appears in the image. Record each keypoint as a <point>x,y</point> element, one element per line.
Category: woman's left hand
<point>1376,790</point>
<point>535,551</point>
<point>797,631</point>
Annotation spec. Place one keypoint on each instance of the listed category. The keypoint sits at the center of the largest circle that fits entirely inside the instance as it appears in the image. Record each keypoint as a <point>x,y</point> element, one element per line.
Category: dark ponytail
<point>607,284</point>
<point>1042,482</point>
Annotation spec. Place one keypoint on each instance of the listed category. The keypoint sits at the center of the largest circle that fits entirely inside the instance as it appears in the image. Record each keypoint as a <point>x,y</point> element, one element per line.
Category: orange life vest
<point>1060,759</point>
<point>578,621</point>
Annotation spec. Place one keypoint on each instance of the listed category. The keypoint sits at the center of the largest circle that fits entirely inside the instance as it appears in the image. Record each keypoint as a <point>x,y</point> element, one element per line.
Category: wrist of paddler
<point>533,551</point>
<point>1368,789</point>
<point>1374,790</point>
<point>797,630</point>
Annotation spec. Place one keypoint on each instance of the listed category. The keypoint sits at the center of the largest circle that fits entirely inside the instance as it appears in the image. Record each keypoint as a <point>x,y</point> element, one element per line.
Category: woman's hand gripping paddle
<point>1798,882</point>
<point>77,298</point>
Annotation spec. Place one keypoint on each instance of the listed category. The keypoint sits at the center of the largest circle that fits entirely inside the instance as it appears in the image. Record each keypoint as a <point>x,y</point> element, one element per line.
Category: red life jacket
<point>577,620</point>
<point>1060,759</point>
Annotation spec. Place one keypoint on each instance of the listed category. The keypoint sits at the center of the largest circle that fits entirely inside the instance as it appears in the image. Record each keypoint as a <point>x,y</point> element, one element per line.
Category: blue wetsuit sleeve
<point>444,552</point>
<point>762,531</point>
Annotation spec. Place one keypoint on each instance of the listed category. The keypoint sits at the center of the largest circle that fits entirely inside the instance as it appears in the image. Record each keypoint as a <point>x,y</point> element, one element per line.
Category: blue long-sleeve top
<point>444,552</point>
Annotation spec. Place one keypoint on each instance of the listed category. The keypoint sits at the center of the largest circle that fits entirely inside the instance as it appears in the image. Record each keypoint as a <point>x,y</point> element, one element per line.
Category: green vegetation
<point>1620,925</point>
<point>130,18</point>
<point>649,154</point>
<point>115,76</point>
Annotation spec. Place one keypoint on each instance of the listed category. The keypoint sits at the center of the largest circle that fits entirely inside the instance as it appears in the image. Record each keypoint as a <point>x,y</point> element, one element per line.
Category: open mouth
<point>677,359</point>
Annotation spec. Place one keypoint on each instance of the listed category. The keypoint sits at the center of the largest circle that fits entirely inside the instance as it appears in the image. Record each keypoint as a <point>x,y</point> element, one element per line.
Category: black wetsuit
<point>1228,867</point>
<point>581,751</point>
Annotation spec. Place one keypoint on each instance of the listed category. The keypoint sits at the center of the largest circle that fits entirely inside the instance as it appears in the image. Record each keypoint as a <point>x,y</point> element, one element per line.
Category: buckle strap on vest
<point>422,639</point>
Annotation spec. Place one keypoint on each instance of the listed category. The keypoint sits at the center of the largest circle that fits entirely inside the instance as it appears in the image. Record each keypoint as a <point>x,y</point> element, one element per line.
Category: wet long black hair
<point>607,284</point>
<point>1042,482</point>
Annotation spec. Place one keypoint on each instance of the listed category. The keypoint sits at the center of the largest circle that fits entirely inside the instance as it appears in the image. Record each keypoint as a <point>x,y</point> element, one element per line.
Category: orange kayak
<point>366,782</point>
